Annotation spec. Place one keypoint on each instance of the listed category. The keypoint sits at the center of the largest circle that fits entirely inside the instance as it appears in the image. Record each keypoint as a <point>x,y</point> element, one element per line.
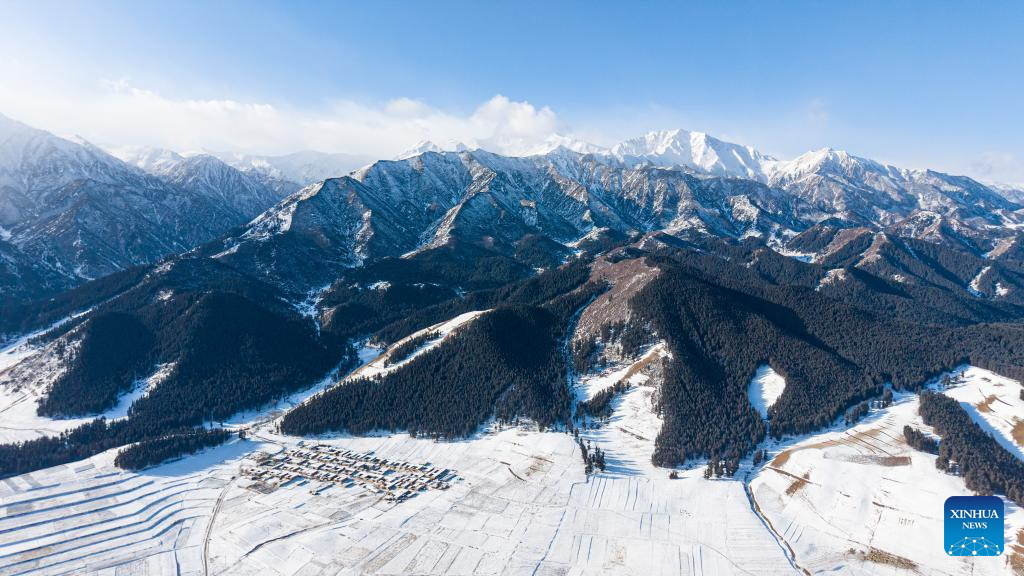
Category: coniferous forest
<point>507,363</point>
<point>233,343</point>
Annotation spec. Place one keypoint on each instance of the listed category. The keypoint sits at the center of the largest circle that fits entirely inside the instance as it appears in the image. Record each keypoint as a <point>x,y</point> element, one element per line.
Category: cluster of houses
<point>395,480</point>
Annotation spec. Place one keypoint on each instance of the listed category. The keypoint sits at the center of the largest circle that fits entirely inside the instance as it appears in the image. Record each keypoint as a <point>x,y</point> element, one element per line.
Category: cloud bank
<point>119,114</point>
<point>116,113</point>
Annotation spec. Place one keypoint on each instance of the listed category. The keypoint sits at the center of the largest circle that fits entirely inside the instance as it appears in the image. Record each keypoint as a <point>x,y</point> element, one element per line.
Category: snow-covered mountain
<point>301,168</point>
<point>428,146</point>
<point>559,141</point>
<point>208,176</point>
<point>837,184</point>
<point>682,183</point>
<point>695,150</point>
<point>72,212</point>
<point>1012,192</point>
<point>394,208</point>
<point>60,199</point>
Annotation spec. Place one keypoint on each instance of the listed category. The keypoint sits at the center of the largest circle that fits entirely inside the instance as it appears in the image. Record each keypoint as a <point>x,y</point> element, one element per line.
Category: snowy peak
<point>825,161</point>
<point>421,147</point>
<point>33,159</point>
<point>305,167</point>
<point>152,160</point>
<point>424,146</point>
<point>11,128</point>
<point>556,142</point>
<point>695,150</point>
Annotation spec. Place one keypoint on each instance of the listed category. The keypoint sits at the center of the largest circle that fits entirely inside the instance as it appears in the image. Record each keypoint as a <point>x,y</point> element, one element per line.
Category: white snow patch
<point>227,252</point>
<point>368,353</point>
<point>308,307</point>
<point>765,388</point>
<point>975,286</point>
<point>140,389</point>
<point>1001,290</point>
<point>589,385</point>
<point>830,277</point>
<point>21,348</point>
<point>20,421</point>
<point>794,254</point>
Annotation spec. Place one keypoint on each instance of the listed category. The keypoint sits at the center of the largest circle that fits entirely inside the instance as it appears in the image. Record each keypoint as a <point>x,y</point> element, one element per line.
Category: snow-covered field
<point>523,505</point>
<point>89,517</point>
<point>861,501</point>
<point>18,418</point>
<point>845,501</point>
<point>41,364</point>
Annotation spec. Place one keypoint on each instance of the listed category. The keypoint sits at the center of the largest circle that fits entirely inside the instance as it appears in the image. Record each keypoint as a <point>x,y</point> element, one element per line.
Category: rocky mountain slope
<point>395,208</point>
<point>70,212</point>
<point>208,176</point>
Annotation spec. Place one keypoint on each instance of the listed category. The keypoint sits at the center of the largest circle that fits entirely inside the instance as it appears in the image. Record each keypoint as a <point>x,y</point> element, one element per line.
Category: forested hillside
<point>837,336</point>
<point>722,321</point>
<point>508,363</point>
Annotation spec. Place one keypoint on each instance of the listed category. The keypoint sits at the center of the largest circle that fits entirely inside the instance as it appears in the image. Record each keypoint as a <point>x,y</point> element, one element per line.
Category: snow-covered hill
<point>71,212</point>
<point>208,176</point>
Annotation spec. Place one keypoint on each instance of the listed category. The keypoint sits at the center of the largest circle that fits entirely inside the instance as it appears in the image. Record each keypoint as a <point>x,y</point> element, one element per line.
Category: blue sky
<point>934,84</point>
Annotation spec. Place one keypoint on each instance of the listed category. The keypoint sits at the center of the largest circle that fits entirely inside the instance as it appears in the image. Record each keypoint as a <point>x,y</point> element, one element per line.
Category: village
<point>395,480</point>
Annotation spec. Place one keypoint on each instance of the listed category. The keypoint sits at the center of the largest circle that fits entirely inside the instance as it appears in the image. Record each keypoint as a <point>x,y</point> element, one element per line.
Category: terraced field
<point>89,516</point>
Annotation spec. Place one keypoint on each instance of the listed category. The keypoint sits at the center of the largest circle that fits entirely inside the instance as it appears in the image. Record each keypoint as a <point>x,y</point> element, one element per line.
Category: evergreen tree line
<point>987,468</point>
<point>156,450</point>
<point>919,440</point>
<point>718,467</point>
<point>234,342</point>
<point>593,456</point>
<point>532,291</point>
<point>859,410</point>
<point>932,291</point>
<point>115,349</point>
<point>600,406</point>
<point>78,443</point>
<point>630,336</point>
<point>19,317</point>
<point>407,348</point>
<point>505,361</point>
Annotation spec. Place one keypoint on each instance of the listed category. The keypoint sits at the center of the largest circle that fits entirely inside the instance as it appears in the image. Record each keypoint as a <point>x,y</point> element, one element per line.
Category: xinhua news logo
<point>974,526</point>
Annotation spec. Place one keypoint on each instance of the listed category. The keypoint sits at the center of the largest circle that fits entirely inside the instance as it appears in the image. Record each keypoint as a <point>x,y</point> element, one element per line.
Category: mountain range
<point>71,212</point>
<point>845,275</point>
<point>63,203</point>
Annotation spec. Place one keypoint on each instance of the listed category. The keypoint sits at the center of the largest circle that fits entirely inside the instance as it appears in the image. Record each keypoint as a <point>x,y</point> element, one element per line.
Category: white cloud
<point>999,167</point>
<point>114,112</point>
